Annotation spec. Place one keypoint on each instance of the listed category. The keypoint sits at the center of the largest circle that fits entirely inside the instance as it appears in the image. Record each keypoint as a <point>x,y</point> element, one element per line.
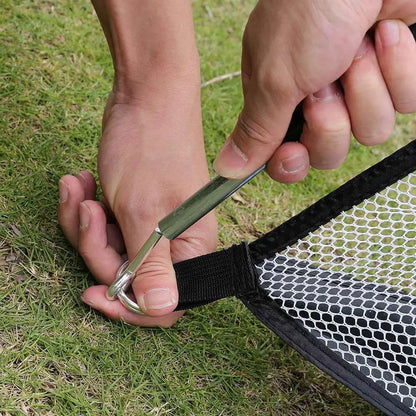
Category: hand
<point>144,177</point>
<point>350,78</point>
<point>151,158</point>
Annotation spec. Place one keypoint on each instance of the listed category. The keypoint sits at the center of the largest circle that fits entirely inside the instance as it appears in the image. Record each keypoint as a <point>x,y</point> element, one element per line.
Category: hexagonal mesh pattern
<point>352,284</point>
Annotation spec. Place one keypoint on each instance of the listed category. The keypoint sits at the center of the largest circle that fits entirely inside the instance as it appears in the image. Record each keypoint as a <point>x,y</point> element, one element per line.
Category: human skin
<point>151,155</point>
<point>306,50</point>
<point>151,158</point>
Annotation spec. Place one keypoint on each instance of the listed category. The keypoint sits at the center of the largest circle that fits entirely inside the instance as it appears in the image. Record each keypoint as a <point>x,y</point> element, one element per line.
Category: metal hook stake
<point>174,224</point>
<point>127,272</point>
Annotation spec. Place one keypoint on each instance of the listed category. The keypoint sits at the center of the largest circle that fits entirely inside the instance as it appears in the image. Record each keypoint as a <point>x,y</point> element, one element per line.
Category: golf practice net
<point>352,284</point>
<point>337,282</point>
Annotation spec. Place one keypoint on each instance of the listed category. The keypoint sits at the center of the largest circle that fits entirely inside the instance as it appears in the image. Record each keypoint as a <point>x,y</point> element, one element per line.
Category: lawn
<point>58,357</point>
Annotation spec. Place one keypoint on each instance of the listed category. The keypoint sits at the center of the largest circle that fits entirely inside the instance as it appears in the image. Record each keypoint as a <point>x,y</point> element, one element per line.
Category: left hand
<point>150,160</point>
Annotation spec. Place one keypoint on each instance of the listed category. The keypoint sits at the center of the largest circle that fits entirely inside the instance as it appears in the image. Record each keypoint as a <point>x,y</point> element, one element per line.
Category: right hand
<point>304,50</point>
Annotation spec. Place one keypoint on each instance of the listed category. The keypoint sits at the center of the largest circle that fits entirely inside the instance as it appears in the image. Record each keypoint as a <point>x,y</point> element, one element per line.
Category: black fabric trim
<point>353,192</point>
<point>215,276</point>
<point>315,351</point>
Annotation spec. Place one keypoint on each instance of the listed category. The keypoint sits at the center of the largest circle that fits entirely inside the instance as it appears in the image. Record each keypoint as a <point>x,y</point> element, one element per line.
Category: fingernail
<point>389,33</point>
<point>230,160</point>
<point>293,164</point>
<point>84,216</point>
<point>157,299</point>
<point>63,191</point>
<point>362,50</point>
<point>327,93</point>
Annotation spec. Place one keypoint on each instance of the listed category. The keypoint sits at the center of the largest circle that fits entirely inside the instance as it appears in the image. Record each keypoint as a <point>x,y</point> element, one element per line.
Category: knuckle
<point>253,130</point>
<point>197,246</point>
<point>138,210</point>
<point>268,81</point>
<point>156,270</point>
<point>125,207</point>
<point>405,106</point>
<point>333,128</point>
<point>277,84</point>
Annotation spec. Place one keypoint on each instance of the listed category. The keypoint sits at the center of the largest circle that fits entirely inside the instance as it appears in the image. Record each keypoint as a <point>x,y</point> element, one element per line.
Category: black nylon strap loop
<point>215,276</point>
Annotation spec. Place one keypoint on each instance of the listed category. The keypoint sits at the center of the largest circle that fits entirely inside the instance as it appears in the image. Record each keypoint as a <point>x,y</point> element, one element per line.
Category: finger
<point>290,163</point>
<point>73,190</point>
<point>96,297</point>
<point>100,257</point>
<point>114,237</point>
<point>396,53</point>
<point>71,194</point>
<point>260,129</point>
<point>327,129</point>
<point>155,286</point>
<point>88,183</point>
<point>405,10</point>
<point>367,96</point>
<point>154,278</point>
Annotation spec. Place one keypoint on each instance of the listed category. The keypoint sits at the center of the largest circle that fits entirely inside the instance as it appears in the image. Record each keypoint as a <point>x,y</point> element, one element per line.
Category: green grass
<point>57,357</point>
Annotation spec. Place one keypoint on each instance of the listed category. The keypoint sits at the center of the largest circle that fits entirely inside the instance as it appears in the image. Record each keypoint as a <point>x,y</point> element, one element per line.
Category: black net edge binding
<point>373,180</point>
<point>312,349</point>
<point>230,273</point>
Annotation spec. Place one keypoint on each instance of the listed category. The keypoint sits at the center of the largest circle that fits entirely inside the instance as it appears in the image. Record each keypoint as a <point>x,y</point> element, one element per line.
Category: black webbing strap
<point>215,276</point>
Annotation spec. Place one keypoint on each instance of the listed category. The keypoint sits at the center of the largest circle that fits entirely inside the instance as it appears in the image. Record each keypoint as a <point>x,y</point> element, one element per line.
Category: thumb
<point>259,131</point>
<point>154,286</point>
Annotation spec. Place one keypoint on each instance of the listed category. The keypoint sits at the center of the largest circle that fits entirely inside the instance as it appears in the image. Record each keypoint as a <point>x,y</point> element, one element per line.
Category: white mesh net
<point>352,284</point>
